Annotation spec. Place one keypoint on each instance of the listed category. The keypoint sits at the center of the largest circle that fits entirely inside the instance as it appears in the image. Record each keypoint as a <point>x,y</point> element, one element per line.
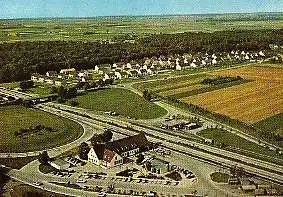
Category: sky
<point>91,8</point>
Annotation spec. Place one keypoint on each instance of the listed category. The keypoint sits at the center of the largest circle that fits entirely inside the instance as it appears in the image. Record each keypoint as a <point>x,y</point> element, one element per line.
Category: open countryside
<point>249,102</point>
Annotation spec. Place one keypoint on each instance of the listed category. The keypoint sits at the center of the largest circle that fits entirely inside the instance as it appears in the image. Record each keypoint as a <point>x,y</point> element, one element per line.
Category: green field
<point>121,101</point>
<point>271,124</point>
<point>12,118</point>
<point>105,28</point>
<point>226,139</point>
<point>177,87</point>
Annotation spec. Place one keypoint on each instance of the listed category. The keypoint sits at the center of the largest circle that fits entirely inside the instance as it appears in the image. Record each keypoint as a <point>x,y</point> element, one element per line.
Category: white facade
<point>92,157</point>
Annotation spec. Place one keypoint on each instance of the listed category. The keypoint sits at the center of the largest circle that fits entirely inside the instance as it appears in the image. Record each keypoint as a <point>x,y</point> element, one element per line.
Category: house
<point>113,153</point>
<point>149,72</point>
<point>67,71</point>
<point>118,75</point>
<point>60,164</point>
<point>58,83</point>
<point>106,77</point>
<point>34,77</point>
<point>178,67</point>
<point>193,65</point>
<point>96,69</point>
<point>158,166</point>
<point>49,81</point>
<point>51,73</point>
<point>214,61</point>
<point>134,73</point>
<point>41,79</point>
<point>261,54</point>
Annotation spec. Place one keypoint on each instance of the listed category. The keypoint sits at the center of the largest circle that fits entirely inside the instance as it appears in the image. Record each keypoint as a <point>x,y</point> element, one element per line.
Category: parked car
<point>81,181</point>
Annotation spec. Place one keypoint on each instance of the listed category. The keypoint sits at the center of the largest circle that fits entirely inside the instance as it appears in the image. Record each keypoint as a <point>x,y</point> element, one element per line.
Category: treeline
<point>19,60</point>
<point>32,130</point>
<point>220,80</point>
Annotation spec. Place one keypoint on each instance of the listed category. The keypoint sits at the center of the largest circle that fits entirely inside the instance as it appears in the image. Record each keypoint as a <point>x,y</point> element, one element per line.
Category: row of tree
<point>19,60</point>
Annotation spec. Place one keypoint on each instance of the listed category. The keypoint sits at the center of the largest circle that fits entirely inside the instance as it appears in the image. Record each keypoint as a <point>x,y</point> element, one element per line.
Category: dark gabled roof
<point>129,143</point>
<point>99,150</point>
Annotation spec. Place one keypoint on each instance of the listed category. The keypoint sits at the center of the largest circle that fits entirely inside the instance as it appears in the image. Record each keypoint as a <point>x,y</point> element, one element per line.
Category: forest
<point>19,60</point>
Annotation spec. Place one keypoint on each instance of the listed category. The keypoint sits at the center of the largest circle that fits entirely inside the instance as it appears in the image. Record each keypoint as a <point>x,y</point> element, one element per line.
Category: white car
<point>81,181</point>
<point>37,183</point>
<point>102,194</point>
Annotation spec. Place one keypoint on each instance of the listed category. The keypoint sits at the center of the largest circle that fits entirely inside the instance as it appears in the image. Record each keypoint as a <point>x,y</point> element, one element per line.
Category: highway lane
<point>177,140</point>
<point>212,149</point>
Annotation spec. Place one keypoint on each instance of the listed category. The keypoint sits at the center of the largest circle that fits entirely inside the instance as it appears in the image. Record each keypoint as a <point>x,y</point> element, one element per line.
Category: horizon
<point>34,9</point>
<point>148,15</point>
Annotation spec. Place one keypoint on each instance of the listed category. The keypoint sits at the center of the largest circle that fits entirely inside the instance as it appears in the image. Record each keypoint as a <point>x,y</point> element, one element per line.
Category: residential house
<point>178,67</point>
<point>67,71</point>
<point>118,75</point>
<point>51,74</point>
<point>35,77</point>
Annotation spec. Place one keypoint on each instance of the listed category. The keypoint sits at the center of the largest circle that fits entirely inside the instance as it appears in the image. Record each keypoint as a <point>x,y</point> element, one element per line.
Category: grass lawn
<point>271,124</point>
<point>220,177</point>
<point>40,90</point>
<point>229,139</point>
<point>17,163</point>
<point>10,85</point>
<point>26,190</point>
<point>12,118</point>
<point>121,101</point>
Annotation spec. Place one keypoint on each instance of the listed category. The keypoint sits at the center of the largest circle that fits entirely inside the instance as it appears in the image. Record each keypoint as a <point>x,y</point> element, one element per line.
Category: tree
<point>107,135</point>
<point>74,102</point>
<point>140,158</point>
<point>83,151</point>
<point>3,178</point>
<point>147,95</point>
<point>43,157</point>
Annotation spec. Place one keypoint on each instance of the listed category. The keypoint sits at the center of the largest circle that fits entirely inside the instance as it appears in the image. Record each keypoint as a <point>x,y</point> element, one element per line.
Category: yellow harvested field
<point>250,102</point>
<point>259,73</point>
<point>180,90</point>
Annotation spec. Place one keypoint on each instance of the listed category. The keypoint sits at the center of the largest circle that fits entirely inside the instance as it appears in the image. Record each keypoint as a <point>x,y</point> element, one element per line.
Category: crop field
<point>121,101</point>
<point>14,118</point>
<point>250,102</point>
<point>180,90</point>
<point>178,87</point>
<point>168,84</point>
<point>105,28</point>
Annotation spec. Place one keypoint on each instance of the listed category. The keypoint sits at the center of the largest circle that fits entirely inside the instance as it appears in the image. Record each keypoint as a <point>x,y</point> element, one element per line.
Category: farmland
<point>121,101</point>
<point>250,102</point>
<point>14,118</point>
<point>115,28</point>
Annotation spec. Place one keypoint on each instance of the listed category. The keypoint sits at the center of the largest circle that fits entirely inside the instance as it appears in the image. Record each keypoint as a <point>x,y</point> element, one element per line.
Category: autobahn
<point>254,166</point>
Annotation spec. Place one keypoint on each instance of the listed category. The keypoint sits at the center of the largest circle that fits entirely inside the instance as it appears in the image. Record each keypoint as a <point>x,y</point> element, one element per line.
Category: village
<point>147,67</point>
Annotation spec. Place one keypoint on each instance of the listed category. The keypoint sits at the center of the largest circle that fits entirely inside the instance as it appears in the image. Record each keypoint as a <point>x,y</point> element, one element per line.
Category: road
<point>219,155</point>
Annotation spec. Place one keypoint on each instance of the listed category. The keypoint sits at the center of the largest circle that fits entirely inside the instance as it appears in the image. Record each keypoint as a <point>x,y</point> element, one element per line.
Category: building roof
<point>107,151</point>
<point>59,162</point>
<point>158,162</point>
<point>128,143</point>
<point>108,155</point>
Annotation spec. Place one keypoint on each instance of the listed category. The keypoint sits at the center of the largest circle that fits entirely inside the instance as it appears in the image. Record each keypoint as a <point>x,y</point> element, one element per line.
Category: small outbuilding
<point>159,166</point>
<point>60,164</point>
